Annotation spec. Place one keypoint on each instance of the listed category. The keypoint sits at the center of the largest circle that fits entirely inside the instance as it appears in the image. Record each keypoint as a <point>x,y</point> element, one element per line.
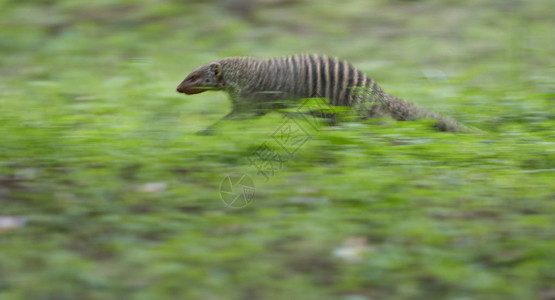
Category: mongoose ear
<point>216,69</point>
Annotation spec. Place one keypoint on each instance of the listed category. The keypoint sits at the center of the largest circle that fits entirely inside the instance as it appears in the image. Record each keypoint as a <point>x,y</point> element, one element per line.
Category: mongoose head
<point>205,77</point>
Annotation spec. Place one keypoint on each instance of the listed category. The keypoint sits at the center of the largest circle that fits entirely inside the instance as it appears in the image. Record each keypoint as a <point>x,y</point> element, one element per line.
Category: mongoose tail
<point>402,110</point>
<point>254,84</point>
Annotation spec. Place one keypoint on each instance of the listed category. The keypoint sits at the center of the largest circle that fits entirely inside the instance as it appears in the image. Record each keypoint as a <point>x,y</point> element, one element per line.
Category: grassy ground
<point>107,193</point>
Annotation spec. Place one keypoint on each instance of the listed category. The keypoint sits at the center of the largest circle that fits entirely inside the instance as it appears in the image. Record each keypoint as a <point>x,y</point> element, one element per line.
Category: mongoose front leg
<point>234,114</point>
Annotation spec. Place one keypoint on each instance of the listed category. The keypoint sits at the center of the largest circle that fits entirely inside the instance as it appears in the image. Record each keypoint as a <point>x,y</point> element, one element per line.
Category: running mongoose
<point>254,84</point>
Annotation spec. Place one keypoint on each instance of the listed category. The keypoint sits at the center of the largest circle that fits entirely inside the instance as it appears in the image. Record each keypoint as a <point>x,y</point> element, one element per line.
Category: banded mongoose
<point>254,84</point>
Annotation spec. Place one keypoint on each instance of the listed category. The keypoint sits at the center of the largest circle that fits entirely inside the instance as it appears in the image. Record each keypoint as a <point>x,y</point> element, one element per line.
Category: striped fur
<point>305,76</point>
<point>255,83</point>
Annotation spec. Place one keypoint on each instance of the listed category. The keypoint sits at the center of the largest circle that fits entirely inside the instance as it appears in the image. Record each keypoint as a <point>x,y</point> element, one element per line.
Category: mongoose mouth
<point>190,90</point>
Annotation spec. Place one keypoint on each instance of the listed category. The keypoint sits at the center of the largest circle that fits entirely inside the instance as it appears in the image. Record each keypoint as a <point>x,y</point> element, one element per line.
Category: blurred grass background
<point>107,193</point>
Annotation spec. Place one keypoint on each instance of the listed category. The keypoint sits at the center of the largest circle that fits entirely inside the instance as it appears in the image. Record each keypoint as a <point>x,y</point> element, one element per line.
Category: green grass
<point>89,116</point>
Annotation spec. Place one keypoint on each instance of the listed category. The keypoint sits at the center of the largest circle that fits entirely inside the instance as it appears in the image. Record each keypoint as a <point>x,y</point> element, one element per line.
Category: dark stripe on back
<point>323,78</point>
<point>329,78</point>
<point>333,80</point>
<point>314,88</point>
<point>350,85</point>
<point>360,82</point>
<point>339,86</point>
<point>296,72</point>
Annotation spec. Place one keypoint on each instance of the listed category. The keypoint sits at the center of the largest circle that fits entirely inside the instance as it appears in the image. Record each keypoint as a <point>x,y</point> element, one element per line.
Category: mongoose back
<point>254,84</point>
